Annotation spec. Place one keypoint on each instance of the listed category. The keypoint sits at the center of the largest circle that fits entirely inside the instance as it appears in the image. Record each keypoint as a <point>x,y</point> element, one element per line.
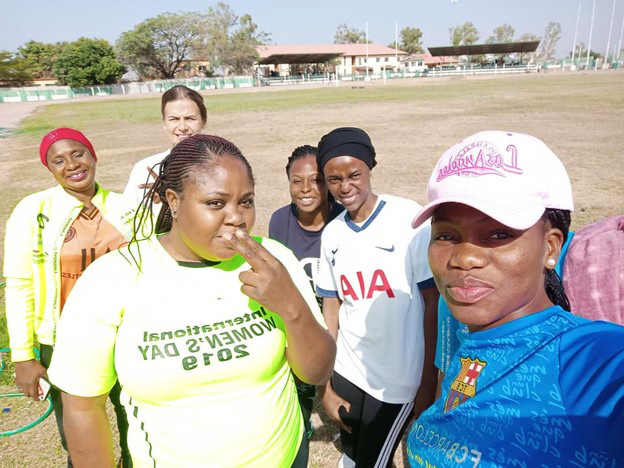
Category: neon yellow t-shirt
<point>203,368</point>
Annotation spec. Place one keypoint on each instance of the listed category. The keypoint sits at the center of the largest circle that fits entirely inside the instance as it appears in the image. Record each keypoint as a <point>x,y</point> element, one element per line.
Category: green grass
<point>500,91</point>
<point>6,375</point>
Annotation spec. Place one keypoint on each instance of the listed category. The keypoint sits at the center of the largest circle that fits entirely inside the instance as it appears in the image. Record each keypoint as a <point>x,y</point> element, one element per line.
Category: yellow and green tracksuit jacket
<point>34,236</point>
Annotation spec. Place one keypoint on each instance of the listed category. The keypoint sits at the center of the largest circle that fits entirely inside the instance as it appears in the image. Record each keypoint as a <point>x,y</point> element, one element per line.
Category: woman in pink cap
<point>51,237</point>
<point>531,384</point>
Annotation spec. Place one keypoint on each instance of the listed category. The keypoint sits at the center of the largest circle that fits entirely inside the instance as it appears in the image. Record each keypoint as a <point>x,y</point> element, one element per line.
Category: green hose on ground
<point>29,425</point>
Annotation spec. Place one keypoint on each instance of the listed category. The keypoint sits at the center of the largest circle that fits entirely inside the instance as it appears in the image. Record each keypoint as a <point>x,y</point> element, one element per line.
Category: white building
<point>343,59</point>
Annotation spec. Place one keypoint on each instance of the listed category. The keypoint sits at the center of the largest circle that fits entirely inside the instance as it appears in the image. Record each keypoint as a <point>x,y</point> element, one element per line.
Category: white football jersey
<point>377,268</point>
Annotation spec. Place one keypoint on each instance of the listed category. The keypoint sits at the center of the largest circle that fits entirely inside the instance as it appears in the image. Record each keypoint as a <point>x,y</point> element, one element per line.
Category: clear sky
<point>315,21</point>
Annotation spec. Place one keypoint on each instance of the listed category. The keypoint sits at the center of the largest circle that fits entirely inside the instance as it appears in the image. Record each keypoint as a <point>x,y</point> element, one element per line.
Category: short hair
<point>182,92</point>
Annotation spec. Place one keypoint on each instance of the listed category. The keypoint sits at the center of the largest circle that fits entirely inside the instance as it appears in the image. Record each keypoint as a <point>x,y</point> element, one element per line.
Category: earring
<point>551,262</point>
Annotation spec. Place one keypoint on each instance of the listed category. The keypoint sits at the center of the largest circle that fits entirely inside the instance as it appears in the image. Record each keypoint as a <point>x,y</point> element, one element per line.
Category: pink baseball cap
<point>63,134</point>
<point>510,177</point>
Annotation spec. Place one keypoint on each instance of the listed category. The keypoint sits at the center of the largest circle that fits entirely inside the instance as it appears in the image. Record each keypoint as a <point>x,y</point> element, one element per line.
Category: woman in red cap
<point>51,237</point>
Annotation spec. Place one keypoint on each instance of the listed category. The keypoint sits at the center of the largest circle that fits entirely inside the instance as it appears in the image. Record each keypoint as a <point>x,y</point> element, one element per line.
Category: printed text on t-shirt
<point>222,345</point>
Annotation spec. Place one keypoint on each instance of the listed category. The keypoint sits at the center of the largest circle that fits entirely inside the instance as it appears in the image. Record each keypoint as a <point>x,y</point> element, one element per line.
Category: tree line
<point>158,48</point>
<point>410,39</point>
<point>155,48</point>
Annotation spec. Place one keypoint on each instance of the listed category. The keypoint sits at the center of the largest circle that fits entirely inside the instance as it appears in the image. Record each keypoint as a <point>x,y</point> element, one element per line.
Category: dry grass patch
<point>580,116</point>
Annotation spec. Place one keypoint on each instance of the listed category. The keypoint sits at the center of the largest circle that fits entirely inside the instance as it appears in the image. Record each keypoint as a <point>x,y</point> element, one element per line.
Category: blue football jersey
<point>546,390</point>
<point>451,332</point>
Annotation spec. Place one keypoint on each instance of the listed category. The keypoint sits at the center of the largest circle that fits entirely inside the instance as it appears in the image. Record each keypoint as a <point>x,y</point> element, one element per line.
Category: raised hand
<point>268,281</point>
<point>149,185</point>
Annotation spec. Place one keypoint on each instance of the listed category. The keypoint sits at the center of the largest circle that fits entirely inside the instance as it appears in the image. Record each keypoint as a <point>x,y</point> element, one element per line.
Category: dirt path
<point>12,113</point>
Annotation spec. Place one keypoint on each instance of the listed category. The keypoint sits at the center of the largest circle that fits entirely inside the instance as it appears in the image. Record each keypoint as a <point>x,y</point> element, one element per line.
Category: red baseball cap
<point>63,134</point>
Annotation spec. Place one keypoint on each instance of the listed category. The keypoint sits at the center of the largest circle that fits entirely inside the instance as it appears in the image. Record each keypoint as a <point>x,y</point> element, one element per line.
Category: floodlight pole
<point>620,43</point>
<point>610,29</point>
<point>396,44</point>
<point>591,31</point>
<point>453,28</point>
<point>578,18</point>
<point>367,48</point>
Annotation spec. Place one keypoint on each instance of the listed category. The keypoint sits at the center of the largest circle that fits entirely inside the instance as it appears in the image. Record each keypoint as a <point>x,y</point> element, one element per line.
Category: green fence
<point>60,93</point>
<point>52,94</point>
<point>208,83</point>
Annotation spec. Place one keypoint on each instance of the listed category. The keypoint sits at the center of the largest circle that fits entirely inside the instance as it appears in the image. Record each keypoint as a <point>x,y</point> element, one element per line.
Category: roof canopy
<point>298,58</point>
<point>479,49</point>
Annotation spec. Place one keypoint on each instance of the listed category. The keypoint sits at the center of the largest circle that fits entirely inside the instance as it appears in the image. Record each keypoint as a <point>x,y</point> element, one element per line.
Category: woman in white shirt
<point>184,115</point>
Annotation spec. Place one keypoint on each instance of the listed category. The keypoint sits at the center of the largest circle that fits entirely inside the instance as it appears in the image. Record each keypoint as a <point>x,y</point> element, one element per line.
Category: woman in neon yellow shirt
<point>202,325</point>
<point>51,237</point>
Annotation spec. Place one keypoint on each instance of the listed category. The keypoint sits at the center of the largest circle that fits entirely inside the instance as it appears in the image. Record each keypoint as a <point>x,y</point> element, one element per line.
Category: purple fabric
<point>593,274</point>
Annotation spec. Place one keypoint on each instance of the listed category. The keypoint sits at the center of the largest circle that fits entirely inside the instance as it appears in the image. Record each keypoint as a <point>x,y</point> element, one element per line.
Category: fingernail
<point>227,236</point>
<point>240,233</point>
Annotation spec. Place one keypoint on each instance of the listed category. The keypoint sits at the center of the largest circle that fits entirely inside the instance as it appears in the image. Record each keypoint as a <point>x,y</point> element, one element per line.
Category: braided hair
<point>299,153</point>
<point>178,165</point>
<point>558,219</point>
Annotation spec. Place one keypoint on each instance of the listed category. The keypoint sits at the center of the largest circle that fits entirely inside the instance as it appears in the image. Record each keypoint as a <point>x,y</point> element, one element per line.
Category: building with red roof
<point>343,59</point>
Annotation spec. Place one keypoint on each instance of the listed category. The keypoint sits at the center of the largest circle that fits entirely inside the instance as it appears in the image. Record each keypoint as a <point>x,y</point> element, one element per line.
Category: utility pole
<point>591,31</point>
<point>367,49</point>
<point>578,18</point>
<point>620,43</point>
<point>609,38</point>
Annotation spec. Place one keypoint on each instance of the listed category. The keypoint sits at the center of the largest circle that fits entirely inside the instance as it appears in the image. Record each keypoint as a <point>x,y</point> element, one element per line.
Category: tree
<point>14,71</point>
<point>157,46</point>
<point>231,41</point>
<point>466,34</point>
<point>410,41</point>
<point>552,34</point>
<point>581,53</point>
<point>87,62</point>
<point>40,57</point>
<point>346,35</point>
<point>502,34</point>
<point>529,37</point>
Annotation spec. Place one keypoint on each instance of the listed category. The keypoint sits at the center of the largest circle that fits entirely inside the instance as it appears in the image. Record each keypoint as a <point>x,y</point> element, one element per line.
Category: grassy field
<point>580,116</point>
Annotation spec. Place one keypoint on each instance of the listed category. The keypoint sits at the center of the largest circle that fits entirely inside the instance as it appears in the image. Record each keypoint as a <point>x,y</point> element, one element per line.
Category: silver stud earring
<point>551,262</point>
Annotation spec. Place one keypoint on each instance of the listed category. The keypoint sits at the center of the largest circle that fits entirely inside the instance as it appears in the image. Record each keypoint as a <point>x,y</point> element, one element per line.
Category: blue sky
<point>314,22</point>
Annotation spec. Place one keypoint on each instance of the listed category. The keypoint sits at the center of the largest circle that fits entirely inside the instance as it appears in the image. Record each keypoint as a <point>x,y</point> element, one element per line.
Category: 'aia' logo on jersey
<point>378,282</point>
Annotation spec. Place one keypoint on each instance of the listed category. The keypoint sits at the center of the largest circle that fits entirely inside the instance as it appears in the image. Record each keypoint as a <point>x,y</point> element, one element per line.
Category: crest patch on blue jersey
<point>464,386</point>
